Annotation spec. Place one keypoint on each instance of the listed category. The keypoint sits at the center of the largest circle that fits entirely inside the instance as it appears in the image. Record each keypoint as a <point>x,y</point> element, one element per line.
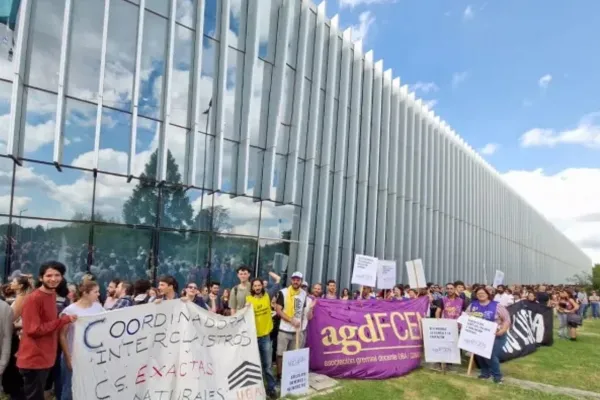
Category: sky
<point>517,80</point>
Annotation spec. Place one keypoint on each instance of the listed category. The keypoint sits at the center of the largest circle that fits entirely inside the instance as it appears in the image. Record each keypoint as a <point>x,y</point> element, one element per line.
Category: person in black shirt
<point>542,296</point>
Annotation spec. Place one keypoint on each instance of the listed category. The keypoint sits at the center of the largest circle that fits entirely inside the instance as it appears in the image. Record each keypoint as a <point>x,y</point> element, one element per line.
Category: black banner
<point>532,325</point>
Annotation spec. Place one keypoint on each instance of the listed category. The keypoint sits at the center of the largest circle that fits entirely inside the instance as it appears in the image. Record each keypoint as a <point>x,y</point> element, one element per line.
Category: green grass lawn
<point>567,364</point>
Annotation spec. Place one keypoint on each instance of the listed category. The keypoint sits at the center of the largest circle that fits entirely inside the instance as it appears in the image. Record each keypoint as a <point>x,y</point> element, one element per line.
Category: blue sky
<point>496,53</point>
<point>519,80</point>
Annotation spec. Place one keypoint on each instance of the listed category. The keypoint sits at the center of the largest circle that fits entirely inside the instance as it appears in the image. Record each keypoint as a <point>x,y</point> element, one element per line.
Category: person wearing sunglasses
<point>192,293</point>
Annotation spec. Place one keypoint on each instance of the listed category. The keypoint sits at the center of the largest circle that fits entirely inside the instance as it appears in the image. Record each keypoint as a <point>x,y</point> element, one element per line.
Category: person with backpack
<point>240,292</point>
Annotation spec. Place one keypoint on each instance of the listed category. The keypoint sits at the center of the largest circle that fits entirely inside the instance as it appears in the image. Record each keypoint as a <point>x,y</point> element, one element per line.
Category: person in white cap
<point>294,307</point>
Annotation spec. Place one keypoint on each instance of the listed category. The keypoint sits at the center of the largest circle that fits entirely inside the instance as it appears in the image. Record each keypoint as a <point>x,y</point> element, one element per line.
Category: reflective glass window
<point>122,252</point>
<point>36,241</point>
<point>153,65</point>
<point>85,49</point>
<point>6,180</point>
<point>79,132</point>
<point>185,256</point>
<point>235,215</point>
<point>273,257</point>
<point>228,253</point>
<point>38,124</point>
<point>113,155</point>
<point>53,194</point>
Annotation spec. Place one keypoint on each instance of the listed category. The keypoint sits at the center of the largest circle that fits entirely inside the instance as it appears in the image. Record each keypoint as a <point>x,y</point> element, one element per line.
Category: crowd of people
<point>37,315</point>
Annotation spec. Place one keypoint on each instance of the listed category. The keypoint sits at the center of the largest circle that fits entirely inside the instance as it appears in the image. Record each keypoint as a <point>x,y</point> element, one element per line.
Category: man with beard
<point>111,294</point>
<point>502,297</point>
<point>41,325</point>
<point>294,307</point>
<point>261,303</point>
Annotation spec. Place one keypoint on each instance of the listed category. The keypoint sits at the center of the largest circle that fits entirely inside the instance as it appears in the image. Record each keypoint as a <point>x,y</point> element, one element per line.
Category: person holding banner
<point>41,325</point>
<point>261,303</point>
<point>88,304</point>
<point>484,307</point>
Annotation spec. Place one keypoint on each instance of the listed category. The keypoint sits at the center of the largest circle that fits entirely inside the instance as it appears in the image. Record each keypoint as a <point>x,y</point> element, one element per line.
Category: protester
<point>331,290</point>
<point>450,306</point>
<point>214,301</point>
<point>237,300</point>
<point>582,299</point>
<point>484,307</point>
<point>261,303</point>
<point>317,291</point>
<point>167,288</point>
<point>87,304</point>
<point>6,331</point>
<point>123,295</point>
<point>502,297</point>
<point>595,304</point>
<point>39,340</point>
<point>111,294</point>
<point>193,295</point>
<point>568,315</point>
<point>345,294</point>
<point>292,303</point>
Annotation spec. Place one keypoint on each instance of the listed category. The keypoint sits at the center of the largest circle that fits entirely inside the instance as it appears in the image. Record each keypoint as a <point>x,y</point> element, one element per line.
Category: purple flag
<point>369,339</point>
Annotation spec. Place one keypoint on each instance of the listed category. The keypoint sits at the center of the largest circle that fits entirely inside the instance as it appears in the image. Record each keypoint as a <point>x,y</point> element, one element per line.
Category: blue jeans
<point>596,310</point>
<point>265,348</point>
<point>583,310</point>
<point>66,375</point>
<point>491,367</point>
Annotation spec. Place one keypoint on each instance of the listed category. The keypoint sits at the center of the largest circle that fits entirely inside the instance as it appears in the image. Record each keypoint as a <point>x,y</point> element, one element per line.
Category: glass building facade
<point>189,137</point>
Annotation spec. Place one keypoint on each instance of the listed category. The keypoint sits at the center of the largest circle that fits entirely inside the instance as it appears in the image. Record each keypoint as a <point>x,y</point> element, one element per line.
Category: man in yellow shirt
<point>261,303</point>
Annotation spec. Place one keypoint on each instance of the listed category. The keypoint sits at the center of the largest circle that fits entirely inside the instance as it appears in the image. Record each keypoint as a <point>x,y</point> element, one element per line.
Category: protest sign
<point>440,337</point>
<point>366,339</point>
<point>294,377</point>
<point>498,279</point>
<point>171,350</point>
<point>477,336</point>
<point>365,271</point>
<point>416,274</point>
<point>386,274</point>
<point>532,325</point>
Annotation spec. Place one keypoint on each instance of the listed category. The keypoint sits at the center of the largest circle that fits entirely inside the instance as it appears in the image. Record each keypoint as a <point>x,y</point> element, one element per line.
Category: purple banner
<point>370,339</point>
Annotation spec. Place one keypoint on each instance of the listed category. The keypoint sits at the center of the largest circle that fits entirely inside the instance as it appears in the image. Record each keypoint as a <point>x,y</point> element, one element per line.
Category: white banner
<point>477,336</point>
<point>171,350</point>
<point>440,339</point>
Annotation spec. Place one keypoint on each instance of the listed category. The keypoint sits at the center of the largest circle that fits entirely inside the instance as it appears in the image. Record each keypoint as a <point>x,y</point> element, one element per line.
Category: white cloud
<point>355,3</point>
<point>586,133</point>
<point>489,149</point>
<point>544,81</point>
<point>423,87</point>
<point>430,103</point>
<point>458,78</point>
<point>361,30</point>
<point>563,198</point>
<point>468,14</point>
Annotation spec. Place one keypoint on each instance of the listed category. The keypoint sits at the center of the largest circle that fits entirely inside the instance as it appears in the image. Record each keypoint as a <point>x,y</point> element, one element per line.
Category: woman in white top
<point>87,304</point>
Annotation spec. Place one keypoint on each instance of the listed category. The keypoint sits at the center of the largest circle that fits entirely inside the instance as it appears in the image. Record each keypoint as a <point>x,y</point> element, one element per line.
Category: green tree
<point>596,276</point>
<point>143,205</point>
<point>219,215</point>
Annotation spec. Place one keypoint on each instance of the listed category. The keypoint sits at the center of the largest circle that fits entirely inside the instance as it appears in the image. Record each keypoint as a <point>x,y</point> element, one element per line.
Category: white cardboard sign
<point>498,279</point>
<point>416,274</point>
<point>365,270</point>
<point>477,336</point>
<point>386,274</point>
<point>294,377</point>
<point>440,339</point>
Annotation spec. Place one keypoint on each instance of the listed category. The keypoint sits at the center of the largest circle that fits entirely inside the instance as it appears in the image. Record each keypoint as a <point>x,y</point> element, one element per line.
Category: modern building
<point>145,137</point>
